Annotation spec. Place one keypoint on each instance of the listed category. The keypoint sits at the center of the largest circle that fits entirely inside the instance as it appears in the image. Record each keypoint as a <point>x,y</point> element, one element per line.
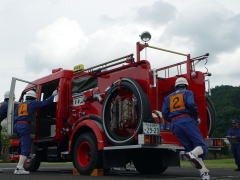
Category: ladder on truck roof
<point>98,68</point>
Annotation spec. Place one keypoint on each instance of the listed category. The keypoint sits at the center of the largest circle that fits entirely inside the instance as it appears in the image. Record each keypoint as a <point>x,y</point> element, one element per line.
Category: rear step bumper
<point>141,146</point>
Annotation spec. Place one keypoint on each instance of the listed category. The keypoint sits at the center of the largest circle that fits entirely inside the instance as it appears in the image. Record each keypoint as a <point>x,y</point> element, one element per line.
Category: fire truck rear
<point>110,114</point>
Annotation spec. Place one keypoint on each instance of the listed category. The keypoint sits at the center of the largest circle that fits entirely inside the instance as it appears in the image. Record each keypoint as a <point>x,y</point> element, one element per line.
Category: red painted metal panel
<point>94,127</point>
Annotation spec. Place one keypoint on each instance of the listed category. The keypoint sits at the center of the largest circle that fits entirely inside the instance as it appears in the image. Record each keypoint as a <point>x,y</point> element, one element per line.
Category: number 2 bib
<point>176,102</point>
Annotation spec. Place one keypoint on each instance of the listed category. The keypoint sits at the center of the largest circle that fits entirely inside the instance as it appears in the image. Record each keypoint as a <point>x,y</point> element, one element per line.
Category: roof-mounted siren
<point>145,36</point>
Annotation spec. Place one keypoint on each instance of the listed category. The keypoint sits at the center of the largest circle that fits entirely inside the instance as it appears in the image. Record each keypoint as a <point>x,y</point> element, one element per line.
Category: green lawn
<point>219,163</point>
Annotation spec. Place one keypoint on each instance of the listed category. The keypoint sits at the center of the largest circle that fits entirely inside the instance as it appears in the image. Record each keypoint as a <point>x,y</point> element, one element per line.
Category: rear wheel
<point>85,154</point>
<point>150,163</point>
<point>211,116</point>
<point>32,163</point>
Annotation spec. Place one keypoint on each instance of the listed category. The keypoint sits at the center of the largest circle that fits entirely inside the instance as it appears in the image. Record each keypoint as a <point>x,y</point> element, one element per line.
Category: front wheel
<point>86,156</point>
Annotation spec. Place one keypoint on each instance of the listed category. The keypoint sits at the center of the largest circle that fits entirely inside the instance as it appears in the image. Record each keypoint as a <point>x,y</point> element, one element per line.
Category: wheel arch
<point>84,127</point>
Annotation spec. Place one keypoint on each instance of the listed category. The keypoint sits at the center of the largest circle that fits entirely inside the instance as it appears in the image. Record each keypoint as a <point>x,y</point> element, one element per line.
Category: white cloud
<point>226,71</point>
<point>63,43</point>
<point>37,36</point>
<point>56,44</point>
<point>211,28</point>
<point>158,13</point>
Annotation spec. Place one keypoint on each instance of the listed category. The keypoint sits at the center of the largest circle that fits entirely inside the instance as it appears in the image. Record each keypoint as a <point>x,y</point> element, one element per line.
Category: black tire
<point>143,106</point>
<point>86,156</point>
<point>32,163</point>
<point>149,163</point>
<point>211,117</point>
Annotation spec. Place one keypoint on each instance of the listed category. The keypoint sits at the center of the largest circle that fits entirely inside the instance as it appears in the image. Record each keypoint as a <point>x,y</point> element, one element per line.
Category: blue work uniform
<point>3,110</point>
<point>3,115</point>
<point>23,117</point>
<point>180,109</point>
<point>235,144</point>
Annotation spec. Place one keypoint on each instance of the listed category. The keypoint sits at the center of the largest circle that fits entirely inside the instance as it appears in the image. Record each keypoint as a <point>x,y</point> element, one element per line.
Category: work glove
<point>198,120</point>
<point>54,93</point>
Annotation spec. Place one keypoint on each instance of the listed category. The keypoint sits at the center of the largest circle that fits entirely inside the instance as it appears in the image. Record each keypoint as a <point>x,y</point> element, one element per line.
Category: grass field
<point>219,163</point>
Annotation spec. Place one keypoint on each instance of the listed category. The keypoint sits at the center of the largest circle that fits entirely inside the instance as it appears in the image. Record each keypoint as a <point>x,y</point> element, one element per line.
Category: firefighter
<point>4,106</point>
<point>180,109</point>
<point>23,114</point>
<point>3,114</point>
<point>233,135</point>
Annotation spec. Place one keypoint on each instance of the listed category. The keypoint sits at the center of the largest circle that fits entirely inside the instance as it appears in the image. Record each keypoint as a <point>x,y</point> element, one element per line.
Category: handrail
<point>170,66</point>
<point>107,63</point>
<point>199,58</point>
<point>167,50</point>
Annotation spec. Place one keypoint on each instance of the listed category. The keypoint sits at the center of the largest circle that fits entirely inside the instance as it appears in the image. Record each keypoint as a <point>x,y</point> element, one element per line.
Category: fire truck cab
<point>110,114</point>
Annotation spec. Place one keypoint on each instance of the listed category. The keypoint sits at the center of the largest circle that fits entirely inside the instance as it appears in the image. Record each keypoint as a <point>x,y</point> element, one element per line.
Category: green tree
<point>226,100</point>
<point>5,144</point>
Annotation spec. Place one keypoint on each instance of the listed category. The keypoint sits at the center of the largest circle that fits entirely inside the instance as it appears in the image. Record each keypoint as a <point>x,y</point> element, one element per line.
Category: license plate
<point>151,128</point>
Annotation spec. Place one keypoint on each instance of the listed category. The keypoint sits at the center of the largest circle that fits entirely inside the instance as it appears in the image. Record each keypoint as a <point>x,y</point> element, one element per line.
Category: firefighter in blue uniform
<point>3,114</point>
<point>4,106</point>
<point>23,116</point>
<point>3,110</point>
<point>180,109</point>
<point>233,135</point>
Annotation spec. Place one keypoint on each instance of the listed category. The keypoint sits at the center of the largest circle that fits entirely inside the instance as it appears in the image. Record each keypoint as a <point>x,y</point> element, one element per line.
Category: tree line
<point>226,100</point>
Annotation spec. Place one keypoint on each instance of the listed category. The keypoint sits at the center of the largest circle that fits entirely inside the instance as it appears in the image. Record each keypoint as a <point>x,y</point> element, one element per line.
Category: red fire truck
<point>110,114</point>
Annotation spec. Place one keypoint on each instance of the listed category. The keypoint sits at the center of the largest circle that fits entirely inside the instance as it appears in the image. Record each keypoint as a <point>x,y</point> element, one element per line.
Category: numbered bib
<point>176,102</point>
<point>22,110</point>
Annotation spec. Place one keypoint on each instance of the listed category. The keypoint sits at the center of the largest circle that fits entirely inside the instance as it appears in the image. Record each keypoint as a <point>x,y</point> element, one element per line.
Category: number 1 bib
<point>22,110</point>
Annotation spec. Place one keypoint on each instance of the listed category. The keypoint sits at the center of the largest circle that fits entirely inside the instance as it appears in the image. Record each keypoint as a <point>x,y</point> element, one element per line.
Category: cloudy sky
<point>39,35</point>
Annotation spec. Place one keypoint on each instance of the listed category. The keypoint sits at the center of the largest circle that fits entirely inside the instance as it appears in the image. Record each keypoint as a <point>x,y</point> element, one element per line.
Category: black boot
<point>238,169</point>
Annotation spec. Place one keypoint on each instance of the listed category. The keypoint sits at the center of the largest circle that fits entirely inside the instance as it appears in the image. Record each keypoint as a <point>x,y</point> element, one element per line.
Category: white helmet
<point>7,94</point>
<point>181,81</point>
<point>31,93</point>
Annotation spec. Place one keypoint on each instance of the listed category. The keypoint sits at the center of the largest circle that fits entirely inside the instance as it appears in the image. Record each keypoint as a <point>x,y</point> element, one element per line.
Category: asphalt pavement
<point>64,171</point>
